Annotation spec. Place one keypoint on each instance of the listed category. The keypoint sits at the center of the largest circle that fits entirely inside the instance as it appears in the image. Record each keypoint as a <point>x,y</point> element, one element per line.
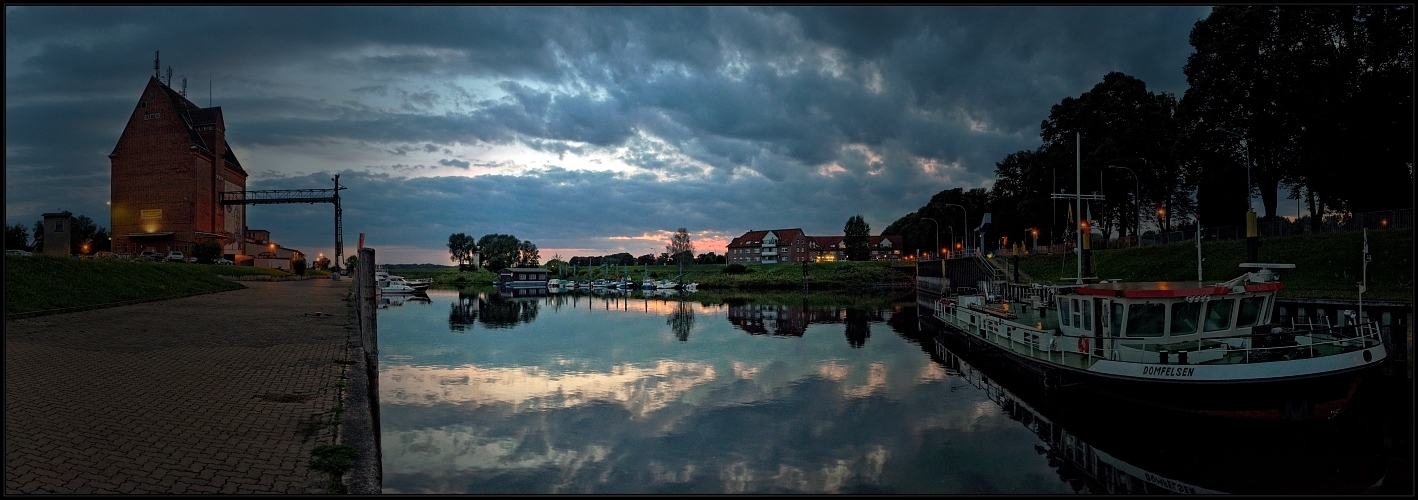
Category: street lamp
<point>963,213</point>
<point>1136,202</point>
<point>1035,233</point>
<point>937,235</point>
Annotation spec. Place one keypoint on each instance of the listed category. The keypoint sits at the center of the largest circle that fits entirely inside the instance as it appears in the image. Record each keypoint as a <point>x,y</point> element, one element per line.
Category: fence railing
<point>1382,219</point>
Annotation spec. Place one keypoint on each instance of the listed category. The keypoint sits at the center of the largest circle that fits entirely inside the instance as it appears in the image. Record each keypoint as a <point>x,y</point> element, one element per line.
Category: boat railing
<point>1084,350</point>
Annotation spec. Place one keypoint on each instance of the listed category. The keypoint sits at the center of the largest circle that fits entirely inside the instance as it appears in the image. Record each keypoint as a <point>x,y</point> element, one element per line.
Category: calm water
<point>786,393</point>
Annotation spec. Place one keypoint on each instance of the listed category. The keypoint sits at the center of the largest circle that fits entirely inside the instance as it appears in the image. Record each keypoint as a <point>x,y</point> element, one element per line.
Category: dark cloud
<point>757,117</point>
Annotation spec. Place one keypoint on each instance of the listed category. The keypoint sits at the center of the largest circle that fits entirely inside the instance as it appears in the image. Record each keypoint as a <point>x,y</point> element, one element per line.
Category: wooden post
<point>369,335</point>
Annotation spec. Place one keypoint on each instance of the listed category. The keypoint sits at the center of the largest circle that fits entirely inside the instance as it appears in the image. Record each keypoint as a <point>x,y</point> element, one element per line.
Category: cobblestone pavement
<point>220,393</point>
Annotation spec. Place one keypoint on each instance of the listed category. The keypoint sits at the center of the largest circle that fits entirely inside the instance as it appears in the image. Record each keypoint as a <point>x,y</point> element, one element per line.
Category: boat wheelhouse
<point>1183,345</point>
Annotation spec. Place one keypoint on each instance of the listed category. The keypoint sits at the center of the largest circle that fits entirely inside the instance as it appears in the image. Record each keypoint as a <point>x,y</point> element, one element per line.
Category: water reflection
<point>709,394</point>
<point>493,308</point>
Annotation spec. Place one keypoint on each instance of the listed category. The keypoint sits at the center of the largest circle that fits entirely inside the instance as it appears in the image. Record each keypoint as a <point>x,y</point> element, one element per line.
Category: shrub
<point>207,252</point>
<point>298,267</point>
<point>734,269</point>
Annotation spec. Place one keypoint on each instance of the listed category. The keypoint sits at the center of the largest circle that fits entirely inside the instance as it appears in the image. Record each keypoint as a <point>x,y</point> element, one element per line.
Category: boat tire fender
<point>1083,345</point>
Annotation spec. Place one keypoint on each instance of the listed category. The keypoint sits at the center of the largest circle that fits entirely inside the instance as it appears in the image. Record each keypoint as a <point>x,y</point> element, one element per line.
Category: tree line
<point>498,251</point>
<point>1313,100</point>
<point>82,230</point>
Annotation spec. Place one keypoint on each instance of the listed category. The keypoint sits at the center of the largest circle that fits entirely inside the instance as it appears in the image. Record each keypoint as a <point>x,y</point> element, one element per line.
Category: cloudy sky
<point>586,130</point>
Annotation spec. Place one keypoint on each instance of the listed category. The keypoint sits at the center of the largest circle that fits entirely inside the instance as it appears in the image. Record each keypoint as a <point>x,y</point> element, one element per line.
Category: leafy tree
<point>461,248</point>
<point>17,237</point>
<point>322,263</point>
<point>857,238</point>
<point>710,258</point>
<point>499,250</point>
<point>527,255</point>
<point>82,229</point>
<point>351,262</point>
<point>38,245</point>
<point>207,252</point>
<point>298,267</point>
<point>101,240</point>
<point>621,259</point>
<point>681,249</point>
<point>646,259</point>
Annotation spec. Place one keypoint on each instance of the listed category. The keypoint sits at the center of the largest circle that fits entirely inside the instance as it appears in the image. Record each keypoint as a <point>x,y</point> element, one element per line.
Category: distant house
<point>791,245</point>
<point>523,277</point>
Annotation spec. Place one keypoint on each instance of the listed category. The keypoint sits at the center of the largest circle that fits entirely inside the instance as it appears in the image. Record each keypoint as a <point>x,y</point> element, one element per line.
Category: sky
<point>585,130</point>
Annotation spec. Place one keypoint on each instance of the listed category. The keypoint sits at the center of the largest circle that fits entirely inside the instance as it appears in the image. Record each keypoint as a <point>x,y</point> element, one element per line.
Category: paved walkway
<point>220,393</point>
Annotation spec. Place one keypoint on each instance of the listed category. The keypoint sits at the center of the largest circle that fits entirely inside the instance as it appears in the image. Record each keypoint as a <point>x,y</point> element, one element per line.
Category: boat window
<point>1063,312</point>
<point>1077,321</point>
<point>1087,316</point>
<point>1117,319</point>
<point>1145,320</point>
<point>1250,311</point>
<point>1184,317</point>
<point>1218,314</point>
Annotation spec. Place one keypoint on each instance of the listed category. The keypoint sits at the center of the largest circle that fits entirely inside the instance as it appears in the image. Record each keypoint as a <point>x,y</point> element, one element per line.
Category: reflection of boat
<point>1185,346</point>
<point>1098,456</point>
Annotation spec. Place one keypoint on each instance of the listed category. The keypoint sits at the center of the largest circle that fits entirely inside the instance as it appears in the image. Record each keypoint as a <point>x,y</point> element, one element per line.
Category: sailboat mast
<point>1078,200</point>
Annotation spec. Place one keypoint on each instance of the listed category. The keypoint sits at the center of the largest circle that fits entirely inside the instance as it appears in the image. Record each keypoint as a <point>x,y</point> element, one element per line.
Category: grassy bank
<point>821,276</point>
<point>41,283</point>
<point>1326,265</point>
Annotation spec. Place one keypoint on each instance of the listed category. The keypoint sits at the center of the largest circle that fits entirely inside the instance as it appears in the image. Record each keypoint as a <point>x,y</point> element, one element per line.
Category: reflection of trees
<point>681,320</point>
<point>858,326</point>
<point>498,312</point>
<point>463,312</point>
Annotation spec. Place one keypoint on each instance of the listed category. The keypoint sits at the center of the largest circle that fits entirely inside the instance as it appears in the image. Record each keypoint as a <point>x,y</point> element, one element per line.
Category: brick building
<point>791,245</point>
<point>169,166</point>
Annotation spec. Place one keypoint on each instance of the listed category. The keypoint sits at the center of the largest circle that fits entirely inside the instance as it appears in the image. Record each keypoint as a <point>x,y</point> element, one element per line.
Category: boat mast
<point>1364,284</point>
<point>1078,200</point>
<point>1198,252</point>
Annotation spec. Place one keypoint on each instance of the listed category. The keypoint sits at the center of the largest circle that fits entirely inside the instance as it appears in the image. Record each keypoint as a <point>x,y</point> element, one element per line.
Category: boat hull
<point>1300,397</point>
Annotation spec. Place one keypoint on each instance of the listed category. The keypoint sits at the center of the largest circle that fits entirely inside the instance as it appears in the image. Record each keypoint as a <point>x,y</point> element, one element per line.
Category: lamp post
<point>963,213</point>
<point>1035,233</point>
<point>937,235</point>
<point>1136,202</point>
<point>952,236</point>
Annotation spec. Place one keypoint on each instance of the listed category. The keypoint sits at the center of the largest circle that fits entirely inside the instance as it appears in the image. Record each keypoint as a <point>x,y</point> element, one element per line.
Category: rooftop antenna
<point>184,85</point>
<point>169,76</point>
<point>157,66</point>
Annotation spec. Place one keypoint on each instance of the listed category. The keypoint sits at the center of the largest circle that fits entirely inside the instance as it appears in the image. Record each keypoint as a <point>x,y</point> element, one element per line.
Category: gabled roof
<point>755,238</point>
<point>192,116</point>
<point>827,241</point>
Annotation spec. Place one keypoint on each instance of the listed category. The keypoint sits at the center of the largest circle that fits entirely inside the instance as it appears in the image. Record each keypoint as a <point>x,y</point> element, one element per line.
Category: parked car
<point>223,261</point>
<point>16,252</point>
<point>154,256</point>
<point>175,256</point>
<point>191,260</point>
<point>105,254</point>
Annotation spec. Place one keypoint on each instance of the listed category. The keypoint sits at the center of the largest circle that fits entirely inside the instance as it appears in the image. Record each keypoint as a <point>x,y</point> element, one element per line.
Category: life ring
<point>1083,344</point>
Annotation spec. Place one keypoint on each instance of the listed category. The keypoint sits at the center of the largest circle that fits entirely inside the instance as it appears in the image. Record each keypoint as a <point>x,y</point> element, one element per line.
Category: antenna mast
<point>169,76</point>
<point>184,86</point>
<point>157,66</point>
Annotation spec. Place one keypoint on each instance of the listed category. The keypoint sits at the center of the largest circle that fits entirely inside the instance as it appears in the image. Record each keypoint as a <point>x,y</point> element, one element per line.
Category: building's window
<point>59,225</point>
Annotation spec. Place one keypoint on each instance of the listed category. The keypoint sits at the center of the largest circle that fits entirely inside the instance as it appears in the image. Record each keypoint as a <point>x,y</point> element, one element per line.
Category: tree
<point>681,249</point>
<point>38,245</point>
<point>298,267</point>
<point>351,262</point>
<point>857,238</point>
<point>322,263</point>
<point>207,252</point>
<point>499,250</point>
<point>82,230</point>
<point>710,258</point>
<point>645,260</point>
<point>17,237</point>
<point>101,240</point>
<point>461,248</point>
<point>527,255</point>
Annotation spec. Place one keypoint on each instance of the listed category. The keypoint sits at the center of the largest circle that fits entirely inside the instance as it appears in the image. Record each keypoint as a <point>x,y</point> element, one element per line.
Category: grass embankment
<point>1327,266</point>
<point>821,276</point>
<point>42,283</point>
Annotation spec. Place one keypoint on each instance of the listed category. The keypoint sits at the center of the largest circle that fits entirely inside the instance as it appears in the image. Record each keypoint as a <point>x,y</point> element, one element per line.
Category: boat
<point>383,277</point>
<point>1186,346</point>
<point>389,288</point>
